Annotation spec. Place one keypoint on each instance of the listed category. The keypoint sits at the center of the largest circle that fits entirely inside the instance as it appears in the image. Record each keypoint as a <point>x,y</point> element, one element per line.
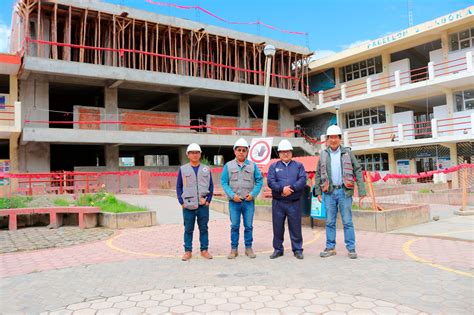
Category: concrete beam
<point>115,84</point>
<point>172,139</point>
<point>91,71</point>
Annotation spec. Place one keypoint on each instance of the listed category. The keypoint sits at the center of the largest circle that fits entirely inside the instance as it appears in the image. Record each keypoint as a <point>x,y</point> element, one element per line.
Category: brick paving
<point>139,271</point>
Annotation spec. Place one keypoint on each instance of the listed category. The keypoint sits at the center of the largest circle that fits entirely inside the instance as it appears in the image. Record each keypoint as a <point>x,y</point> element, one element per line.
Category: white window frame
<point>361,116</point>
<point>350,75</point>
<point>466,95</point>
<point>456,38</point>
<point>364,163</point>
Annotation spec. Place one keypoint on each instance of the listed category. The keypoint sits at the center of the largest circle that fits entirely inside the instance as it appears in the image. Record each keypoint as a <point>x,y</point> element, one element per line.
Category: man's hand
<point>249,197</point>
<point>202,201</point>
<point>182,205</point>
<point>237,198</point>
<point>320,198</point>
<point>287,191</point>
<point>207,204</point>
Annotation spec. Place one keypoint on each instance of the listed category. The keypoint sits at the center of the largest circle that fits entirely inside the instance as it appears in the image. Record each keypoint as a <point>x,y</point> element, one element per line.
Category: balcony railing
<point>460,126</point>
<point>399,78</point>
<point>10,117</point>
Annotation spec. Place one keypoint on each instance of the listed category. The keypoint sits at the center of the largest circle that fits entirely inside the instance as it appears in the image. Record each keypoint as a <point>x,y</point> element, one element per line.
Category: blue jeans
<point>201,214</point>
<point>246,209</point>
<point>337,201</point>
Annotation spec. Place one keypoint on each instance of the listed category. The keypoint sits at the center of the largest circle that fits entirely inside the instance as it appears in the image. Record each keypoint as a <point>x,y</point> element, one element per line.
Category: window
<point>464,100</point>
<point>373,162</point>
<point>366,117</point>
<point>361,69</point>
<point>461,40</point>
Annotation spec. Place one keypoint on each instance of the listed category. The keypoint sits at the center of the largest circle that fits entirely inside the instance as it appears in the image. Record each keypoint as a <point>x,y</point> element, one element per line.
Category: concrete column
<point>286,120</point>
<point>111,109</point>
<point>385,62</point>
<point>369,85</point>
<point>14,153</point>
<point>389,111</point>
<point>453,156</point>
<point>337,76</point>
<point>343,91</point>
<point>184,109</point>
<point>35,157</point>
<point>244,116</point>
<point>445,45</point>
<point>13,93</point>
<point>450,102</point>
<point>183,158</point>
<point>111,157</point>
<point>34,97</point>
<point>392,164</point>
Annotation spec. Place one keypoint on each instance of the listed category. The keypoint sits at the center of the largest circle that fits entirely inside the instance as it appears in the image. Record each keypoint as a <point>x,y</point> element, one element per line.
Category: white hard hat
<point>241,143</point>
<point>285,145</point>
<point>334,131</point>
<point>193,147</point>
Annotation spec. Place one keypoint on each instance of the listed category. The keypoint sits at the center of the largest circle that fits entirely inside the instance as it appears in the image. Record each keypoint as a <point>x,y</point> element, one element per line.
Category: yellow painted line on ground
<point>110,244</point>
<point>409,253</point>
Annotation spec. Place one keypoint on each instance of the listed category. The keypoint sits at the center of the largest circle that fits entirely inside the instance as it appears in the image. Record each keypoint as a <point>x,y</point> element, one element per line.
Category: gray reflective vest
<point>194,188</point>
<point>241,180</point>
<point>347,169</point>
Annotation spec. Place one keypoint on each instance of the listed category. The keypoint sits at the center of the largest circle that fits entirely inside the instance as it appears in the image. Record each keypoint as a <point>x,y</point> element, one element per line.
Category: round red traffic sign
<point>256,154</point>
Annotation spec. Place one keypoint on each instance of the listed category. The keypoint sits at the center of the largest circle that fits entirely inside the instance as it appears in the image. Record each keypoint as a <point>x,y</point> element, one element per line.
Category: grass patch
<point>14,202</point>
<point>263,202</point>
<point>61,202</point>
<point>424,191</point>
<point>107,203</point>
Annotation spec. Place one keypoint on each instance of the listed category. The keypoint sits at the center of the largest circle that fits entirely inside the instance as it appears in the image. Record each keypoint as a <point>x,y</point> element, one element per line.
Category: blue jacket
<point>279,175</point>
<point>256,189</point>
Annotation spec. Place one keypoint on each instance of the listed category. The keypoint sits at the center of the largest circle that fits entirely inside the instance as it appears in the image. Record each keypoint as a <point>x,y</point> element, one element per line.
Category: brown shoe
<point>187,256</point>
<point>205,254</point>
<point>249,252</point>
<point>233,253</point>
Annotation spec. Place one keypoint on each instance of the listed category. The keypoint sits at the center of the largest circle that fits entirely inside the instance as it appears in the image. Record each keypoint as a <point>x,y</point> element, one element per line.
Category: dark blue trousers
<point>282,209</point>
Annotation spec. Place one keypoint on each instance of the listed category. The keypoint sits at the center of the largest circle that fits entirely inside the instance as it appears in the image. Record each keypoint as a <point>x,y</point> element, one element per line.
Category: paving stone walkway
<point>140,271</point>
<point>257,299</point>
<point>33,238</point>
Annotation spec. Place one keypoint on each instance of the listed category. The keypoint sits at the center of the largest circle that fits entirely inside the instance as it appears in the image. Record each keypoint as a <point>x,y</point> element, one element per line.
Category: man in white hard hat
<point>194,188</point>
<point>335,174</point>
<point>287,180</point>
<point>242,181</point>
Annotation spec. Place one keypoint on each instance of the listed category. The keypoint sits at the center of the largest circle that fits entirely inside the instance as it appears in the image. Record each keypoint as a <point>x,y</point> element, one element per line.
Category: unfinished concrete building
<point>102,83</point>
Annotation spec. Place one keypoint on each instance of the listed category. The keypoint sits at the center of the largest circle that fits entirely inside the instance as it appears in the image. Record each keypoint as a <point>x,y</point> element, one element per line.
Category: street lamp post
<point>269,52</point>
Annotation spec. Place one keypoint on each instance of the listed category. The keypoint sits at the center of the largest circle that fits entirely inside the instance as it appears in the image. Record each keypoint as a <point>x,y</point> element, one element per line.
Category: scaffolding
<point>50,29</point>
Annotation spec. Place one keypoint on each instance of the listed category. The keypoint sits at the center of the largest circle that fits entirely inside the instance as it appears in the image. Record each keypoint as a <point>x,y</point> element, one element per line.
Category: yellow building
<point>405,101</point>
<point>10,114</point>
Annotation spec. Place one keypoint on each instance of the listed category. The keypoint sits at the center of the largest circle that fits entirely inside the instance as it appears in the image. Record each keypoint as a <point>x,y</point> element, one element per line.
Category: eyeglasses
<point>241,150</point>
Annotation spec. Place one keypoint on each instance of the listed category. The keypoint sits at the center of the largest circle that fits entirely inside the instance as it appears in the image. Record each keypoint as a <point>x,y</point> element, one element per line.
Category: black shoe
<point>299,255</point>
<point>276,254</point>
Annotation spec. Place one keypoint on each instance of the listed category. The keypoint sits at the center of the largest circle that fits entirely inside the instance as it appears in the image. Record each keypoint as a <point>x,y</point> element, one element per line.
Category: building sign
<point>261,150</point>
<point>403,167</point>
<point>461,14</point>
